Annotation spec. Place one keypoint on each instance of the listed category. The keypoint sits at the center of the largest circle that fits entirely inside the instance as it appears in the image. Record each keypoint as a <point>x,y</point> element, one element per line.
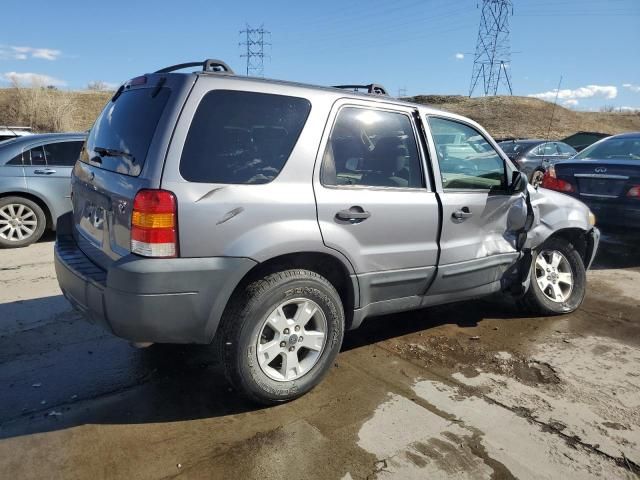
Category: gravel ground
<point>473,390</point>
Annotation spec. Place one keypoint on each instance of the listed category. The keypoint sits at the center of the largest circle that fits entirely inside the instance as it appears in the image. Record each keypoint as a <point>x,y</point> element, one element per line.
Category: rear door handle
<point>44,171</point>
<point>354,213</point>
<point>462,214</point>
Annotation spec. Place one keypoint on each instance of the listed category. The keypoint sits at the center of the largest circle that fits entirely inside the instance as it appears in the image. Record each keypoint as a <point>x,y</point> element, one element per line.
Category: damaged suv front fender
<point>556,213</point>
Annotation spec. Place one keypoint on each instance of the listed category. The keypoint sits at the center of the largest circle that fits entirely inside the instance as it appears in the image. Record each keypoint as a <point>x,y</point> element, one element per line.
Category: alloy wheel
<point>554,275</point>
<point>291,339</point>
<point>18,222</point>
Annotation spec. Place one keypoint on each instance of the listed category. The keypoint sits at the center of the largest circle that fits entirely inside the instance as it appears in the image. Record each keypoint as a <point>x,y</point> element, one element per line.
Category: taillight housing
<point>550,181</point>
<point>154,224</point>
<point>634,192</point>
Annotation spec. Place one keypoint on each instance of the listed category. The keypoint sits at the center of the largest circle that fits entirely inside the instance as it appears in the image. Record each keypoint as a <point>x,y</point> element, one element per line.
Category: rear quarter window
<point>240,137</point>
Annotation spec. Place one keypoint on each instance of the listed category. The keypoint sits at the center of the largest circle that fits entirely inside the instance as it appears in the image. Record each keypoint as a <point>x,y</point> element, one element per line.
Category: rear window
<point>242,137</point>
<point>120,137</point>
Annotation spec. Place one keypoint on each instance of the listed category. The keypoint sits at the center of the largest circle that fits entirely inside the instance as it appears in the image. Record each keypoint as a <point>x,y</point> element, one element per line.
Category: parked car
<point>267,217</point>
<point>35,185</point>
<point>533,157</point>
<point>581,140</point>
<point>606,176</point>
<point>8,132</point>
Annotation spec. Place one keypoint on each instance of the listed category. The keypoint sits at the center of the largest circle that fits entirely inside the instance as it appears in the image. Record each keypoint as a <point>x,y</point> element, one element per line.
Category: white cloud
<point>633,88</point>
<point>34,79</point>
<point>572,102</point>
<point>459,56</point>
<point>630,109</point>
<point>14,52</point>
<point>606,91</point>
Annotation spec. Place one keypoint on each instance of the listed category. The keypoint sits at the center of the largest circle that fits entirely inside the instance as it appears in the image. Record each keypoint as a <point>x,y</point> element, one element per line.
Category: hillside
<point>52,110</point>
<point>525,117</point>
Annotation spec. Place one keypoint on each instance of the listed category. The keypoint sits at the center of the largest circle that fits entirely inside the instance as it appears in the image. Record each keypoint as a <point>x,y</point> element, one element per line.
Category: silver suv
<point>268,217</point>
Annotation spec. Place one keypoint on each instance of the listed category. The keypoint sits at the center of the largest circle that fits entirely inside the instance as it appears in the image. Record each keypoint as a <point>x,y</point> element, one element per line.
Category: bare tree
<point>40,107</point>
<point>97,86</point>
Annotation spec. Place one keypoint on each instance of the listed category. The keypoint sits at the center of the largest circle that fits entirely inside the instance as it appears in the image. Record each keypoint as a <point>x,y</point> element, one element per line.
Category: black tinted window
<point>37,156</point>
<point>120,137</point>
<point>242,137</point>
<point>17,160</point>
<point>372,148</point>
<point>62,153</point>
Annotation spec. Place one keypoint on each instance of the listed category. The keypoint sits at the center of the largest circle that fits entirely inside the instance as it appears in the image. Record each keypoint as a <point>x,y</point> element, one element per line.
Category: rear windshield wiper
<point>111,152</point>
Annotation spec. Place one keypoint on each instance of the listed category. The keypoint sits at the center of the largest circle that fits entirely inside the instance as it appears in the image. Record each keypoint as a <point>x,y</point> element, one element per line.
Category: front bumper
<point>177,300</point>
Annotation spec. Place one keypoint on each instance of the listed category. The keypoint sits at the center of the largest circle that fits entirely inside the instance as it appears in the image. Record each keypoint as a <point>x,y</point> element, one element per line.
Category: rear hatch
<point>124,153</point>
<point>600,179</point>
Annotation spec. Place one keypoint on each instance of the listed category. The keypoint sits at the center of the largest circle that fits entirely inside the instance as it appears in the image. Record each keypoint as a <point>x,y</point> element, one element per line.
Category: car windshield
<point>626,148</point>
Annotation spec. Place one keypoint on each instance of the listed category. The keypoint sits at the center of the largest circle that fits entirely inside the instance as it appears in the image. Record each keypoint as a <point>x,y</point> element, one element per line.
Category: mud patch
<point>595,402</point>
<point>521,446</point>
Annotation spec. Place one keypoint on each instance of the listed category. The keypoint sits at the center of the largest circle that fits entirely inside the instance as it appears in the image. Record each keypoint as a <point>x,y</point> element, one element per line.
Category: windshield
<point>121,135</point>
<point>627,148</point>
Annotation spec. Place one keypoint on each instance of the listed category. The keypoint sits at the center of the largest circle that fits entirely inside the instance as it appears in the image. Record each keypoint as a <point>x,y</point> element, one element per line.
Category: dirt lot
<point>472,390</point>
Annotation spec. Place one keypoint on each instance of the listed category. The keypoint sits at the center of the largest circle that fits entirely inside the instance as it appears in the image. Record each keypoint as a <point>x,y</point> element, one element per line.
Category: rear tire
<point>536,177</point>
<point>280,335</point>
<point>558,279</point>
<point>22,222</point>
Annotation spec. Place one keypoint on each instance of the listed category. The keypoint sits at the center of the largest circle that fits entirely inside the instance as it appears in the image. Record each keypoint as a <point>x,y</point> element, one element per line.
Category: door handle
<point>44,171</point>
<point>462,214</point>
<point>354,213</point>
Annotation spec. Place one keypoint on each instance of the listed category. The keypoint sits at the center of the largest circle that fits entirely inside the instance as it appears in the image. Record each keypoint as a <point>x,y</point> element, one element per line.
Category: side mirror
<point>518,182</point>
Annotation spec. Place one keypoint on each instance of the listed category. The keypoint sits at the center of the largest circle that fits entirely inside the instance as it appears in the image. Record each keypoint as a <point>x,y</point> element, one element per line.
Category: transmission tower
<point>254,41</point>
<point>493,55</point>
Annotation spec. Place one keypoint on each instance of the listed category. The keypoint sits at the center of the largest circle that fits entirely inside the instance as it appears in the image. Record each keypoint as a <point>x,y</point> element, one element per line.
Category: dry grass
<point>525,117</point>
<point>53,110</point>
<point>48,110</point>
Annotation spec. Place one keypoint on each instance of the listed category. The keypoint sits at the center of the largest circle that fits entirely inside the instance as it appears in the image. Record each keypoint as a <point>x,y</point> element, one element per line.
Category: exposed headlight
<point>592,218</point>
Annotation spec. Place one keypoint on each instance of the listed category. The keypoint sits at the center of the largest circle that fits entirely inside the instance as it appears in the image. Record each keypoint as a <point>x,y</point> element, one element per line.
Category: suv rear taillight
<point>154,224</point>
<point>552,182</point>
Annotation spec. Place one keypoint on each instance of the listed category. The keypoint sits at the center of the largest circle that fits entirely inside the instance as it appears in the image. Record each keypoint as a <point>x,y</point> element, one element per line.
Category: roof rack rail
<point>373,88</point>
<point>209,65</point>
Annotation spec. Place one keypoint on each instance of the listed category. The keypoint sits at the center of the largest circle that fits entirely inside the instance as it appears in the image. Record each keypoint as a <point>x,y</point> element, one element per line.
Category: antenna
<point>492,57</point>
<point>254,40</point>
<point>555,102</point>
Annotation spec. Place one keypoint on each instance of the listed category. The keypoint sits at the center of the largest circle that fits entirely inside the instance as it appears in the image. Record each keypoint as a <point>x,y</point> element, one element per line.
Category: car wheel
<point>536,177</point>
<point>558,279</point>
<point>22,222</point>
<point>280,335</point>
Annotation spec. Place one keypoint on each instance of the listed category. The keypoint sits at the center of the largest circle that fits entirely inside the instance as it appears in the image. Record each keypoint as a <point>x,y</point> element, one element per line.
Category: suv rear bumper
<point>177,300</point>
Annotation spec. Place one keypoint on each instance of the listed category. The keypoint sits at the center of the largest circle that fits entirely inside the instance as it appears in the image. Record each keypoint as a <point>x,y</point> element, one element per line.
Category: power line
<point>254,41</point>
<point>492,57</point>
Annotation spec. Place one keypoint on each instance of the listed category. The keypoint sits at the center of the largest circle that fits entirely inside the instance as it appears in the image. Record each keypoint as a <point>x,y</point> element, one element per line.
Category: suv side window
<point>242,137</point>
<point>372,148</point>
<point>63,153</point>
<point>468,163</point>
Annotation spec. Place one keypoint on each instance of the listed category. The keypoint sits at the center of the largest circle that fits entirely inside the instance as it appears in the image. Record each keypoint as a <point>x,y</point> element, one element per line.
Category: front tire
<point>280,335</point>
<point>558,279</point>
<point>22,222</point>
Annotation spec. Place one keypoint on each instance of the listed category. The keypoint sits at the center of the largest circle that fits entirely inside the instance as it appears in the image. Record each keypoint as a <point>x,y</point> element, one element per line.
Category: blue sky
<point>593,44</point>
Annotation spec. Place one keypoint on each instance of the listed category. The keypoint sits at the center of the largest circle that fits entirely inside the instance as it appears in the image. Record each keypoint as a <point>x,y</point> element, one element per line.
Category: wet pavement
<point>473,390</point>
